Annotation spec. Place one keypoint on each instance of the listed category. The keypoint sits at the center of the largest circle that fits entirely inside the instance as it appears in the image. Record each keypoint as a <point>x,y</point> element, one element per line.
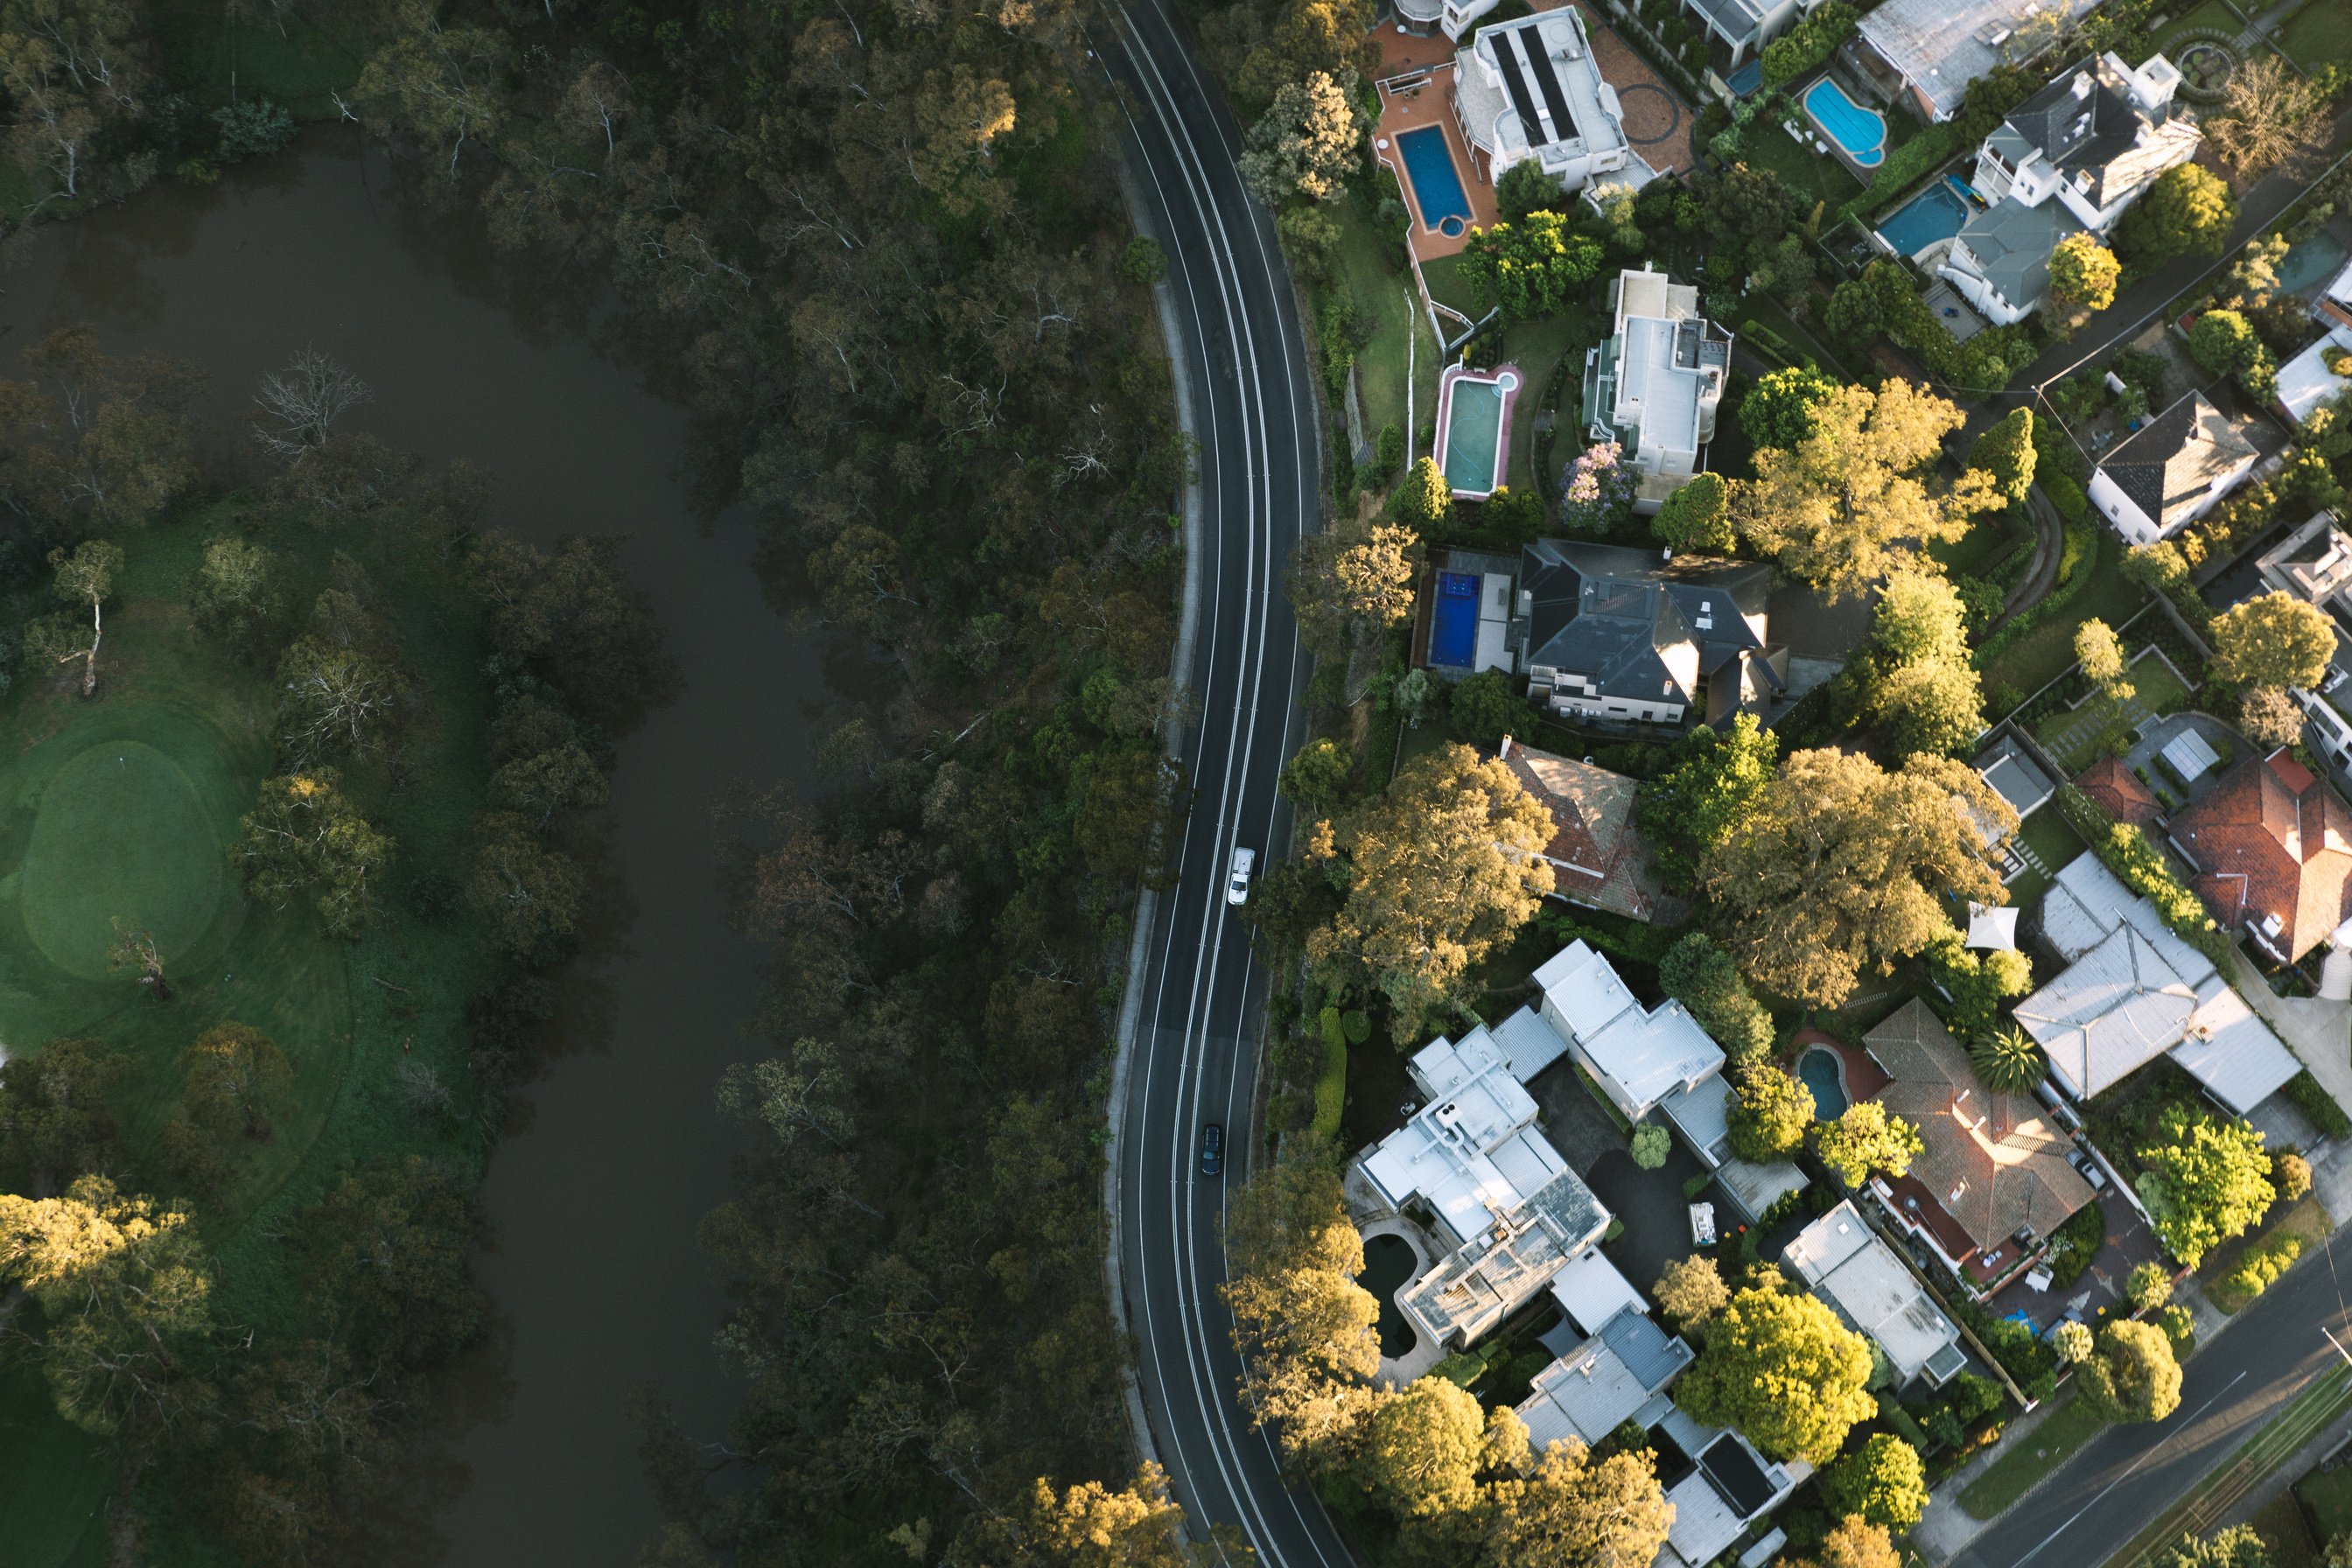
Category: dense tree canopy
<point>2272,639</point>
<point>1527,268</point>
<point>1881,1483</point>
<point>1781,1369</point>
<point>2133,1376</point>
<point>2083,272</point>
<point>1842,864</point>
<point>1865,1138</point>
<point>1770,1114</point>
<point>1699,974</point>
<point>1439,870</point>
<point>2188,208</point>
<point>306,837</point>
<point>1847,504</point>
<point>1780,408</point>
<point>1709,788</point>
<point>2204,1180</point>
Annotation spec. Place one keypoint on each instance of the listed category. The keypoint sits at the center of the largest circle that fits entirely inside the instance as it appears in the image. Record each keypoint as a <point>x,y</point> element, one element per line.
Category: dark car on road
<point>1213,1149</point>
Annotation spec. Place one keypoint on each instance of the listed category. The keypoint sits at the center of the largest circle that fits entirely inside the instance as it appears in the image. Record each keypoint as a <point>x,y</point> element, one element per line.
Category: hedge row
<point>2318,1105</point>
<point>2139,865</point>
<point>1906,165</point>
<point>2077,561</point>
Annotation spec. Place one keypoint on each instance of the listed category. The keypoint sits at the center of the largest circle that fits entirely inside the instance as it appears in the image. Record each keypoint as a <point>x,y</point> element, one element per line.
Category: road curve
<point>1236,330</point>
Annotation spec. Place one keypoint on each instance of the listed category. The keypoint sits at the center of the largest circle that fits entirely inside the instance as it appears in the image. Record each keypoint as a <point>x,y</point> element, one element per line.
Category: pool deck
<point>1657,121</point>
<point>1863,1077</point>
<point>1865,173</point>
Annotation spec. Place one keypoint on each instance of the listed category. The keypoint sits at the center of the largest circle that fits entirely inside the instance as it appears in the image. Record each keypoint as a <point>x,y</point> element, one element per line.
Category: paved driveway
<point>1656,1215</point>
<point>2319,1032</point>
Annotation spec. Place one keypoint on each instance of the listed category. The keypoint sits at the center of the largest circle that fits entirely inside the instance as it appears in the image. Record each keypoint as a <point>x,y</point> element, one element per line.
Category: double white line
<point>1185,1329</point>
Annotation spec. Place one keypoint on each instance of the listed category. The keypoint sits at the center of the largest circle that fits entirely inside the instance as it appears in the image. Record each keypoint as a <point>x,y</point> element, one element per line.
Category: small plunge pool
<point>1820,1071</point>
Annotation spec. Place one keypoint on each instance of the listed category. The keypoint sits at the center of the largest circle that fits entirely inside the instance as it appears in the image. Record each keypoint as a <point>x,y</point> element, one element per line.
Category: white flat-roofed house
<point>1638,1056</point>
<point>1655,386</point>
<point>2306,384</point>
<point>1529,90</point>
<point>2172,471</point>
<point>1737,30</point>
<point>1619,1374</point>
<point>1847,1264</point>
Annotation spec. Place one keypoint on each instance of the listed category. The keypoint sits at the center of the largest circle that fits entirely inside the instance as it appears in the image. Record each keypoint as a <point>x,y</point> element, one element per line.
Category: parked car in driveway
<point>1237,883</point>
<point>2083,1161</point>
<point>1213,1149</point>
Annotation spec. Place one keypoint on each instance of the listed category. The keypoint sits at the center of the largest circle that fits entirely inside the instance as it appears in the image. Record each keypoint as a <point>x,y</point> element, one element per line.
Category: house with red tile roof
<point>1598,859</point>
<point>2272,847</point>
<point>1991,1183</point>
<point>2119,791</point>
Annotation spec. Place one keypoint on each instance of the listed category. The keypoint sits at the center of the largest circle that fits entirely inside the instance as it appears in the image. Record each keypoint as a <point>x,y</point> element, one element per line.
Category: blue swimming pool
<point>1820,1071</point>
<point>1861,131</point>
<point>1936,214</point>
<point>2313,262</point>
<point>1747,79</point>
<point>1435,185</point>
<point>1454,620</point>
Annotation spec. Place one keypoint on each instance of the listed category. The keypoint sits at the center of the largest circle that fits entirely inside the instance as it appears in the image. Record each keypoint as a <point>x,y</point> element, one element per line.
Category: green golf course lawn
<point>125,807</point>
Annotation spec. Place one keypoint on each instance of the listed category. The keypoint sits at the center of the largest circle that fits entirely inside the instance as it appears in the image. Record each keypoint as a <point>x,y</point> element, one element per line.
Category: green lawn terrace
<point>2320,33</point>
<point>2098,725</point>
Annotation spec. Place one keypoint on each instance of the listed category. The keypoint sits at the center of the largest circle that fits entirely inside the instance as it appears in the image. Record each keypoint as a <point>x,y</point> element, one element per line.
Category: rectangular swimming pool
<point>1474,434</point>
<point>1436,187</point>
<point>1454,620</point>
<point>1936,214</point>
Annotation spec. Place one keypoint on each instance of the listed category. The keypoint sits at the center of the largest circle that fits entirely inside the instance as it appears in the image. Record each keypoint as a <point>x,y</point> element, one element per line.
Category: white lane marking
<point>2135,1465</point>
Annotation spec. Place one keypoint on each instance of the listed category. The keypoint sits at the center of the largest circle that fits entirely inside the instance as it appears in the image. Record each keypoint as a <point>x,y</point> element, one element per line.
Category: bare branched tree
<point>2270,118</point>
<point>134,948</point>
<point>300,404</point>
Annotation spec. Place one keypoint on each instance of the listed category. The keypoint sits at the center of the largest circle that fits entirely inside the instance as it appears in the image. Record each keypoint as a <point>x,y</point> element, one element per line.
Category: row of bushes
<point>2077,564</point>
<point>2260,1267</point>
<point>1904,167</point>
<point>1613,934</point>
<point>1808,44</point>
<point>2128,852</point>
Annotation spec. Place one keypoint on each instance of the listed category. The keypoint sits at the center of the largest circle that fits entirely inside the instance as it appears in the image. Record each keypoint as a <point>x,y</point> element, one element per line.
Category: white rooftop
<point>1941,46</point>
<point>1515,79</point>
<point>2135,990</point>
<point>1858,1275</point>
<point>1646,1054</point>
<point>1992,926</point>
<point>2304,382</point>
<point>1591,1290</point>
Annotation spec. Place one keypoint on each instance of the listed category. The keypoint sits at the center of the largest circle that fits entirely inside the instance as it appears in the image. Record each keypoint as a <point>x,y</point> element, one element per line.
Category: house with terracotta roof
<point>1597,857</point>
<point>2119,792</point>
<point>2272,847</point>
<point>1991,1183</point>
<point>2172,470</point>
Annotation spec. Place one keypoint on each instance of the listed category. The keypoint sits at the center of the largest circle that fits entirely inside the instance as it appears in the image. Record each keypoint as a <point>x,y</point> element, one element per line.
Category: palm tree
<point>2007,1061</point>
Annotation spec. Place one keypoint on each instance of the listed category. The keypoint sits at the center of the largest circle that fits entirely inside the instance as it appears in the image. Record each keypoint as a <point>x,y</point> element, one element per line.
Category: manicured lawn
<point>54,1480</point>
<point>2030,1459</point>
<point>1984,542</point>
<point>1446,286</point>
<point>2081,736</point>
<point>2047,843</point>
<point>2306,1220</point>
<point>2045,653</point>
<point>2329,1495</point>
<point>1391,311</point>
<point>1538,348</point>
<point>2320,33</point>
<point>2215,14</point>
<point>1810,176</point>
<point>2284,1529</point>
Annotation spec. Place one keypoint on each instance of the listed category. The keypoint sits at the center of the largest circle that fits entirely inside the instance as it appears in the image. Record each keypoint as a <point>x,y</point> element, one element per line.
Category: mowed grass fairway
<point>127,806</point>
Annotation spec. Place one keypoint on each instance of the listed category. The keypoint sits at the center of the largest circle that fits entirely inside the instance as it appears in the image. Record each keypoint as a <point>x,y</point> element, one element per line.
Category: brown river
<point>616,1154</point>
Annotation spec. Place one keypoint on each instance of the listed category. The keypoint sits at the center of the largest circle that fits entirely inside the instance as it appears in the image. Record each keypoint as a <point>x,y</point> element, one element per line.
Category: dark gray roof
<point>2077,119</point>
<point>2013,242</point>
<point>2173,460</point>
<point>1610,614</point>
<point>1739,19</point>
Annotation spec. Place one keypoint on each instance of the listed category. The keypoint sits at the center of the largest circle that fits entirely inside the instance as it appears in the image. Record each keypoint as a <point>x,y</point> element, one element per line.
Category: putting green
<point>120,835</point>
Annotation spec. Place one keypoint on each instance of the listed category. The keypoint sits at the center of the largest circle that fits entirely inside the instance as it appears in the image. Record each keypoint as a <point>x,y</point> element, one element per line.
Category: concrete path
<point>2319,1032</point>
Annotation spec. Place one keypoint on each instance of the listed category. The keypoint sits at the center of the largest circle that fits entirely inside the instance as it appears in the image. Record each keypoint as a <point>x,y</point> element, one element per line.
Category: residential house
<point>1927,51</point>
<point>2134,990</point>
<point>2272,847</point>
<point>1722,1485</point>
<point>2172,471</point>
<point>1529,90</point>
<point>1610,633</point>
<point>2308,382</point>
<point>1844,1262</point>
<point>1597,857</point>
<point>1638,1056</point>
<point>1991,1183</point>
<point>1492,1186</point>
<point>1737,30</point>
<point>2315,564</point>
<point>2071,158</point>
<point>2333,305</point>
<point>1654,385</point>
<point>2118,791</point>
<point>1619,1374</point>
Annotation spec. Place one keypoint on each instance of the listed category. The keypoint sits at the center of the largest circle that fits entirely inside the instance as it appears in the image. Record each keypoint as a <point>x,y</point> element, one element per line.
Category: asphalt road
<point>1244,363</point>
<point>2128,1476</point>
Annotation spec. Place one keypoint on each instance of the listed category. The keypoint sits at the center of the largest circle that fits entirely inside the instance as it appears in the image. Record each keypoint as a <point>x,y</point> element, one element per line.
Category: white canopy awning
<point>1992,926</point>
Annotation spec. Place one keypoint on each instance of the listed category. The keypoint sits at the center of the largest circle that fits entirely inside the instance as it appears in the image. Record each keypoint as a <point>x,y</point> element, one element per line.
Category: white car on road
<point>1237,884</point>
